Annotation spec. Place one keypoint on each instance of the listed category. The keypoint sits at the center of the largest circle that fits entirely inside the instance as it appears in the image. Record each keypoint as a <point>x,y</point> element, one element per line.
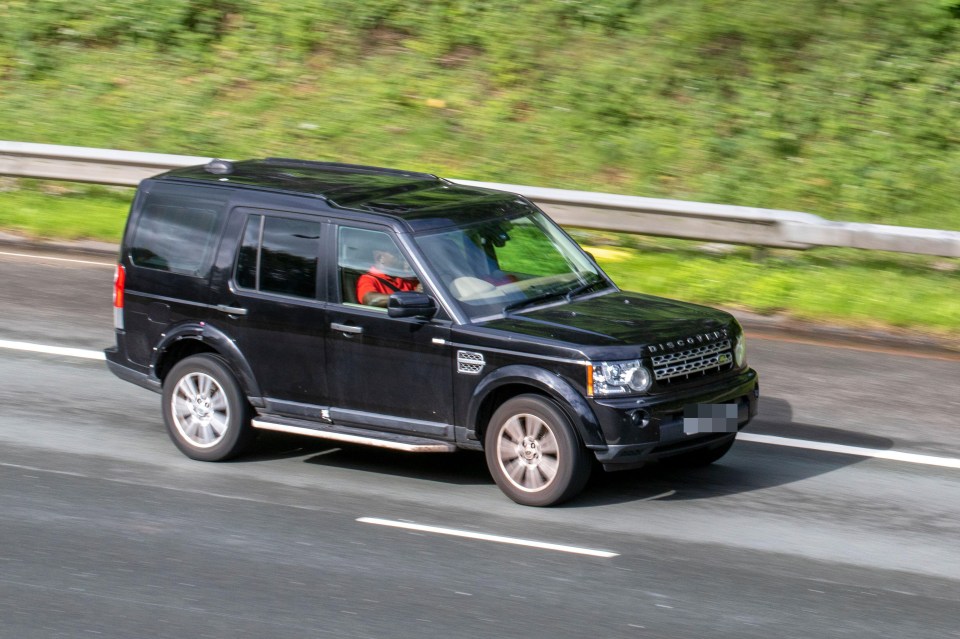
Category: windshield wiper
<point>536,299</point>
<point>583,288</point>
<point>530,301</point>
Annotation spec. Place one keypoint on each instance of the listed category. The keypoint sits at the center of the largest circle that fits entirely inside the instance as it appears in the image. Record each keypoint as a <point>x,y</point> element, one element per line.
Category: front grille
<point>701,360</point>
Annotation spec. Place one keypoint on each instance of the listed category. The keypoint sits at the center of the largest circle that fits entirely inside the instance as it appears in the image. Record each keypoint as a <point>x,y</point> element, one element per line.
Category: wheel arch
<point>194,338</point>
<point>510,381</point>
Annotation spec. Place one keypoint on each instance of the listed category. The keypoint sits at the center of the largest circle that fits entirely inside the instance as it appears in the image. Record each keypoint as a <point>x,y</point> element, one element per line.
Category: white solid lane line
<point>895,455</point>
<point>58,259</point>
<point>485,537</point>
<point>52,350</point>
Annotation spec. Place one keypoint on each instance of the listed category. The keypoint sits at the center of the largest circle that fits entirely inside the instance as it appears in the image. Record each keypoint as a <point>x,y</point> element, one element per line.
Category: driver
<point>376,285</point>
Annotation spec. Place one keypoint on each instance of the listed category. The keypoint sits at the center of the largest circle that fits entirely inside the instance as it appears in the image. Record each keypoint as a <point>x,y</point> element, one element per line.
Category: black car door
<point>393,373</point>
<point>272,301</point>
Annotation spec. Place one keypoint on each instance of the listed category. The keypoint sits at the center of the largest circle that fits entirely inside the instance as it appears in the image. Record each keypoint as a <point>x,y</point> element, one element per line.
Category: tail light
<point>119,282</point>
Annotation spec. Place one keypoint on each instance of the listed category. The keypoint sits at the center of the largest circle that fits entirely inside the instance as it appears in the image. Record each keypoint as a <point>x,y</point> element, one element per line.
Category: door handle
<point>231,310</point>
<point>346,328</point>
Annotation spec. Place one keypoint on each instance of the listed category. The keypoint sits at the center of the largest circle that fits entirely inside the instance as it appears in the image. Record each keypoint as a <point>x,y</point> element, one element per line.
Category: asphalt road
<point>106,530</point>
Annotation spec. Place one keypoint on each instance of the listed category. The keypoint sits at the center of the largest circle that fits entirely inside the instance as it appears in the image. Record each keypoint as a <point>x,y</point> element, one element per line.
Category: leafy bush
<point>844,108</point>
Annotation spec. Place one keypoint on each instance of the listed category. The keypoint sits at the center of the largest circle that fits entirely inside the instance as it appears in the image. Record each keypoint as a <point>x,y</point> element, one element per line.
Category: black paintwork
<point>614,320</point>
<point>421,200</point>
<point>327,362</point>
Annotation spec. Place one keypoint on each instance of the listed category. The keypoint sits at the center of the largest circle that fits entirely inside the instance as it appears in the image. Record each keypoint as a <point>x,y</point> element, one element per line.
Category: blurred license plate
<point>709,418</point>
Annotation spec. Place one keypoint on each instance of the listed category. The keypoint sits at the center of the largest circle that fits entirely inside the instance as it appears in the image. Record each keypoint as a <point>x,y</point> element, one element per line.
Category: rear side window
<point>177,230</point>
<point>279,255</point>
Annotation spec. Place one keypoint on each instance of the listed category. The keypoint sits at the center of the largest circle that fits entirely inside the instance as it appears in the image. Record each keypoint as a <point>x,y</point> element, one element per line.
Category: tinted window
<point>501,264</point>
<point>279,255</point>
<point>177,232</point>
<point>247,267</point>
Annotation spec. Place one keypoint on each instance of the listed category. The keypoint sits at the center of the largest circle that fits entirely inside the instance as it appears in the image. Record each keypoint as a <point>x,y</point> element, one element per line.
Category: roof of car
<point>408,195</point>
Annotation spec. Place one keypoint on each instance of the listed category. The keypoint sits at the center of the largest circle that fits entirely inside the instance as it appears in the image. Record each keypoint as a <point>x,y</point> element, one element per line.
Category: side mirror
<point>411,304</point>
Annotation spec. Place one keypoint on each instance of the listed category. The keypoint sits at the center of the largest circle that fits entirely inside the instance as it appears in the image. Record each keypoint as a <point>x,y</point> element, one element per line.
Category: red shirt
<point>376,281</point>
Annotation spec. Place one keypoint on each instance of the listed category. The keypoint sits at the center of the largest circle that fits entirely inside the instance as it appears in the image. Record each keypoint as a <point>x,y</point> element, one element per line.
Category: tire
<point>206,413</point>
<point>533,453</point>
<point>701,457</point>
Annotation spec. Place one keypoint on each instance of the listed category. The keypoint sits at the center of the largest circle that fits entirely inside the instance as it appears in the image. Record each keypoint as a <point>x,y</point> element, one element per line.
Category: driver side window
<point>370,267</point>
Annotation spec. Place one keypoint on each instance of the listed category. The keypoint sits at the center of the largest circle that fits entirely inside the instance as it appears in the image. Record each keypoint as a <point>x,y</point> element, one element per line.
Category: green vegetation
<point>843,108</point>
<point>838,286</point>
<point>63,210</point>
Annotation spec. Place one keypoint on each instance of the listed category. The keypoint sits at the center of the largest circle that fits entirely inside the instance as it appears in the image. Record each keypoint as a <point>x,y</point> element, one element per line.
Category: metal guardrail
<point>605,211</point>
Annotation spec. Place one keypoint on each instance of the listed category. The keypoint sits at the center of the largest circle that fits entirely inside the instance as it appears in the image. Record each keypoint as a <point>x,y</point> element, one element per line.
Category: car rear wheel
<point>533,453</point>
<point>206,413</point>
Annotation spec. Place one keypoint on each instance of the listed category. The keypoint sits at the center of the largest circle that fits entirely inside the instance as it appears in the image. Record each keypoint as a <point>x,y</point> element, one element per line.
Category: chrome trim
<point>694,360</point>
<point>470,363</point>
<point>719,347</point>
<point>231,310</point>
<point>692,340</point>
<point>346,328</point>
<point>439,447</point>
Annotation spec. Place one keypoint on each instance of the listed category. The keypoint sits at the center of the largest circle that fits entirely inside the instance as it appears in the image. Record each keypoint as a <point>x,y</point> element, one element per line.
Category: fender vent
<point>469,362</point>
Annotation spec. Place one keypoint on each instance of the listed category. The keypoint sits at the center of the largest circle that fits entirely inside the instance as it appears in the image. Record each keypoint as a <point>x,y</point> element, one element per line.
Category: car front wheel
<point>533,453</point>
<point>206,413</point>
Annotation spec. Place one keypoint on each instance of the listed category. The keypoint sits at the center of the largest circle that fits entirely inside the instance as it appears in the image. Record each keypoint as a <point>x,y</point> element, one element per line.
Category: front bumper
<point>642,429</point>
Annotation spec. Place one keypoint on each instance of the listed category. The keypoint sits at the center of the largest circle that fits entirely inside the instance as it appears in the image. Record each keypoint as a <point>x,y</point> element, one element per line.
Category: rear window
<point>177,230</point>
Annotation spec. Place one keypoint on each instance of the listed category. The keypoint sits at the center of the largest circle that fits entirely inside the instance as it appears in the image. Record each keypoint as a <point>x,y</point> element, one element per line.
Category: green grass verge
<point>840,286</point>
<point>836,286</point>
<point>63,210</point>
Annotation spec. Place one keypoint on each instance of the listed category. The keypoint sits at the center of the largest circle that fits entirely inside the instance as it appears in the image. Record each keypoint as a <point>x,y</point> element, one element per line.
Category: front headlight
<point>617,378</point>
<point>740,351</point>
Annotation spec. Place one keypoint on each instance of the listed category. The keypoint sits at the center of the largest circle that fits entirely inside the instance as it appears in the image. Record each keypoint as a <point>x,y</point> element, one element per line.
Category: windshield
<point>504,265</point>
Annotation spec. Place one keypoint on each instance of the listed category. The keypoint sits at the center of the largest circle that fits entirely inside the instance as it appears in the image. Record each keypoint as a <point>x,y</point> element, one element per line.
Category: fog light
<point>640,418</point>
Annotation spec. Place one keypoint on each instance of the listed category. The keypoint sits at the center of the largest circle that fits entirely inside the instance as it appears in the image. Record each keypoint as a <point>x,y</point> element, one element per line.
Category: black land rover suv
<point>401,310</point>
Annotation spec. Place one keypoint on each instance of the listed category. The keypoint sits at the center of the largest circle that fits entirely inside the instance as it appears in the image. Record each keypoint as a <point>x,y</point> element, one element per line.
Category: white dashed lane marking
<point>58,259</point>
<point>452,532</point>
<point>895,455</point>
<point>52,350</point>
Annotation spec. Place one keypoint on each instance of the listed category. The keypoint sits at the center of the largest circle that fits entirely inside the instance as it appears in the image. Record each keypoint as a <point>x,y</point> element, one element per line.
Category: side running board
<point>351,435</point>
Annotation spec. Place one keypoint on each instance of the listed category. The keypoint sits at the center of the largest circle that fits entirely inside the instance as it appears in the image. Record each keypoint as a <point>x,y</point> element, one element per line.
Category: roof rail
<point>338,166</point>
